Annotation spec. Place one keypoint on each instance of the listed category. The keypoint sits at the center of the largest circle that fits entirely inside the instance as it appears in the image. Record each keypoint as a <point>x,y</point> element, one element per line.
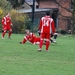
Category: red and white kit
<point>31,38</point>
<point>6,23</point>
<point>46,27</point>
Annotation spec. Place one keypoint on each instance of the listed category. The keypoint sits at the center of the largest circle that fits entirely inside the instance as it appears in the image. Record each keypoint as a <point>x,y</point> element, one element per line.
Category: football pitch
<point>24,59</point>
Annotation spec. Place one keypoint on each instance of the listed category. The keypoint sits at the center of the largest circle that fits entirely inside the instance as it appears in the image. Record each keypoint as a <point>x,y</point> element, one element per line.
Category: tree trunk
<point>73,18</point>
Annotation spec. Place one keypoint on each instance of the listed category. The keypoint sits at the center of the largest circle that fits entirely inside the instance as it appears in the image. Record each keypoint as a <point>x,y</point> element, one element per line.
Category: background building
<point>59,11</point>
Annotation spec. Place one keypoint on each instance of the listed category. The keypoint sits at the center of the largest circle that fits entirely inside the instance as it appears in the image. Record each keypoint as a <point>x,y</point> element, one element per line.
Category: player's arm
<point>4,21</point>
<point>23,41</point>
<point>11,24</point>
<point>53,27</point>
<point>10,21</point>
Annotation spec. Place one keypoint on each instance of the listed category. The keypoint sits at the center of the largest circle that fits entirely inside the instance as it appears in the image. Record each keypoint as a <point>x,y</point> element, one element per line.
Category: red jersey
<point>30,37</point>
<point>6,21</point>
<point>47,25</point>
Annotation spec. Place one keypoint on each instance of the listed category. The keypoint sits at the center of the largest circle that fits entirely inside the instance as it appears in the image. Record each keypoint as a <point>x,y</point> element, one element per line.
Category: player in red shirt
<point>30,37</point>
<point>46,27</point>
<point>6,25</point>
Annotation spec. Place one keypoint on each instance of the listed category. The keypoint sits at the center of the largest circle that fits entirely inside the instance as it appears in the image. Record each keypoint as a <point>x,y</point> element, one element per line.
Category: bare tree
<point>16,3</point>
<point>73,16</point>
<point>71,10</point>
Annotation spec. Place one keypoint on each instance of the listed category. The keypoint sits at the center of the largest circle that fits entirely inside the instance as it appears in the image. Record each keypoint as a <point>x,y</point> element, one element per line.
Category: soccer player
<point>46,27</point>
<point>6,25</point>
<point>30,37</point>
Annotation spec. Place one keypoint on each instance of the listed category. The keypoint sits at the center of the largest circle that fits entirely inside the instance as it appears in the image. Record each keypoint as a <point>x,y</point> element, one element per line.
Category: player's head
<point>27,31</point>
<point>8,15</point>
<point>47,13</point>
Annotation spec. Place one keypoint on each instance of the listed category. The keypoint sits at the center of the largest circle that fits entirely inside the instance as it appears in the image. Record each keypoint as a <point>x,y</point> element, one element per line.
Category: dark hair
<point>47,12</point>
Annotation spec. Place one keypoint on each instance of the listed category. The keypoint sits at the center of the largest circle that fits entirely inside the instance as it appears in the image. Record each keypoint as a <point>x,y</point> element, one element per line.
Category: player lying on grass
<point>33,39</point>
<point>30,37</point>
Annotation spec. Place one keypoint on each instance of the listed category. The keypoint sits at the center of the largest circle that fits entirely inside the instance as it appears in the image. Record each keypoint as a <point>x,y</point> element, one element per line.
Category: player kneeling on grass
<point>30,37</point>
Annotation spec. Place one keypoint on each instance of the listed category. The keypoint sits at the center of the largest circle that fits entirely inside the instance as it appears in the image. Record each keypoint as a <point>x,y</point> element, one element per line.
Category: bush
<point>1,12</point>
<point>5,4</point>
<point>19,21</point>
<point>63,32</point>
<point>58,30</point>
<point>28,23</point>
<point>1,15</point>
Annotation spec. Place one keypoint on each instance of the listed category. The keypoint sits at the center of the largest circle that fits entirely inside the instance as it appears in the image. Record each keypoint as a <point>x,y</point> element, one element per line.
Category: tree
<point>5,4</point>
<point>4,7</point>
<point>73,17</point>
<point>16,3</point>
<point>70,19</point>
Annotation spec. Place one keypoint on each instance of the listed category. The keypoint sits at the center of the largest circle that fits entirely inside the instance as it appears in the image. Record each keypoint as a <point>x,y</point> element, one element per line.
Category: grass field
<point>18,59</point>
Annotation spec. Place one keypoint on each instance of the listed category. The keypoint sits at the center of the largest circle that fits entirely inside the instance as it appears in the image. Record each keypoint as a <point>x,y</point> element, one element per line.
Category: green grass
<point>18,59</point>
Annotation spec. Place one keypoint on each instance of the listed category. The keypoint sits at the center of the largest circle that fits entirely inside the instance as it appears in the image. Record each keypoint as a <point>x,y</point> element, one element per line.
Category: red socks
<point>3,34</point>
<point>47,45</point>
<point>9,34</point>
<point>41,43</point>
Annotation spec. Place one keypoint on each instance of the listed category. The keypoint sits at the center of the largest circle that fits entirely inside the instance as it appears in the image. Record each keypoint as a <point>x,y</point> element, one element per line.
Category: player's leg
<point>9,33</point>
<point>4,32</point>
<point>47,41</point>
<point>51,39</point>
<point>55,36</point>
<point>36,40</point>
<point>41,41</point>
<point>40,44</point>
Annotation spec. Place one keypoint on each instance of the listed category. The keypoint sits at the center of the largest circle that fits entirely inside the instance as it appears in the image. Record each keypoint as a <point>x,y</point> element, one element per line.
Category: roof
<point>30,10</point>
